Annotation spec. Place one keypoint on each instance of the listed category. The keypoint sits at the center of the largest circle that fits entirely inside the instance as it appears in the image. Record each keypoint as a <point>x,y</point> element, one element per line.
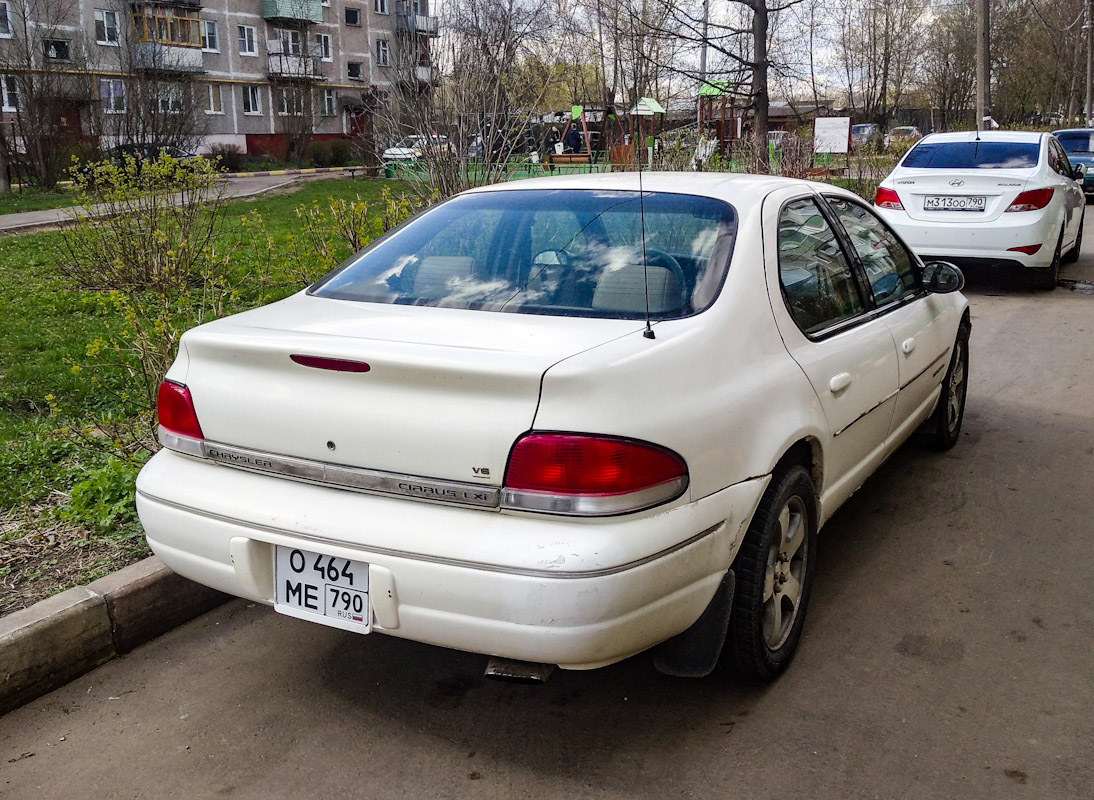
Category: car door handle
<point>840,382</point>
<point>908,346</point>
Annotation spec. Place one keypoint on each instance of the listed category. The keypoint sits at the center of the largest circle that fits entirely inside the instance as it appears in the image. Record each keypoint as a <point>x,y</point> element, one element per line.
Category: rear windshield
<point>560,252</point>
<point>1077,141</point>
<point>973,155</point>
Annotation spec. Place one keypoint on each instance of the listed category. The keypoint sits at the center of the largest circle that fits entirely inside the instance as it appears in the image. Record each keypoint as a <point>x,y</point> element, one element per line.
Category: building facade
<point>261,75</point>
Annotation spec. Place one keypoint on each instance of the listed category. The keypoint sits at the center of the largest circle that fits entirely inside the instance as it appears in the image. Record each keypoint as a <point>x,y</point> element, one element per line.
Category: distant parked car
<point>904,134</point>
<point>410,148</point>
<point>865,135</point>
<point>1078,143</point>
<point>997,198</point>
<point>148,152</point>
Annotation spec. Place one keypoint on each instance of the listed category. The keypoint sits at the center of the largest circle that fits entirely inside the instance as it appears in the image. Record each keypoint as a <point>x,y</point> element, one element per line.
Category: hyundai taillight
<point>586,475</point>
<point>887,198</point>
<point>179,427</point>
<point>1031,200</point>
<point>1028,249</point>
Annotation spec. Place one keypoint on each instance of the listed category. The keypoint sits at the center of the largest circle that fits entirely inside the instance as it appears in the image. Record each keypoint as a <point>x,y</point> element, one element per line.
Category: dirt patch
<point>40,556</point>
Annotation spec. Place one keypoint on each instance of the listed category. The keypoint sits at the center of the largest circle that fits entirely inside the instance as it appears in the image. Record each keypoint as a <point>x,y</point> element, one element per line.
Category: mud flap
<point>694,653</point>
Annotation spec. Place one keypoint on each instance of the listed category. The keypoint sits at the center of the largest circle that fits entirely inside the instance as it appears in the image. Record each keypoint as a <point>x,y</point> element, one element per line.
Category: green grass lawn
<point>30,199</point>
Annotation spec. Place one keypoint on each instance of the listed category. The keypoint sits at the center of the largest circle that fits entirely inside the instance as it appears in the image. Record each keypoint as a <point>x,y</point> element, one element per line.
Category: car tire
<point>774,571</point>
<point>1072,255</point>
<point>1045,278</point>
<point>943,428</point>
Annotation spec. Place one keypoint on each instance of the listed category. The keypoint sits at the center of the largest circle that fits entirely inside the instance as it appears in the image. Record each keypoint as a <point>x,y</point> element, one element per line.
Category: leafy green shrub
<point>229,156</point>
<point>104,498</point>
<point>339,152</point>
<point>319,154</point>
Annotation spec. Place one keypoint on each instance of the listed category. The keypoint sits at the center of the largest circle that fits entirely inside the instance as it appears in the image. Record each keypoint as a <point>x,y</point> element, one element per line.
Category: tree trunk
<point>760,99</point>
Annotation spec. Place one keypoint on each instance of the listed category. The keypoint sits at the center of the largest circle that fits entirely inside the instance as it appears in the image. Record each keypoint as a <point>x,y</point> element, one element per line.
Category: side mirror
<point>942,277</point>
<point>1078,172</point>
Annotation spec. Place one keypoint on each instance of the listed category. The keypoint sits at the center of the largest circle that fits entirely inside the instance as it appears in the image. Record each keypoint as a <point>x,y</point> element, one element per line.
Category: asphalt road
<point>947,653</point>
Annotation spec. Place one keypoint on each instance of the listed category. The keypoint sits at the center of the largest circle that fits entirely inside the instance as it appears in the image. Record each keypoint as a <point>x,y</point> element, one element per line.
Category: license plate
<point>324,589</point>
<point>943,202</point>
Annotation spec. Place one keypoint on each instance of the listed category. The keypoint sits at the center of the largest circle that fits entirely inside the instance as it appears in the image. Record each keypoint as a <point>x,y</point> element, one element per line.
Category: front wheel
<point>944,427</point>
<point>774,570</point>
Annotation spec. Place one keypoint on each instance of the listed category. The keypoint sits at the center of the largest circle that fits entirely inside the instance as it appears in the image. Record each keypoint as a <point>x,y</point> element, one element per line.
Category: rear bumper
<point>988,242</point>
<point>576,593</point>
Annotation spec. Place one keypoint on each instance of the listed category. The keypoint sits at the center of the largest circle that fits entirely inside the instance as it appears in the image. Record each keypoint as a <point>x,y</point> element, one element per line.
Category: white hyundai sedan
<point>562,421</point>
<point>993,199</point>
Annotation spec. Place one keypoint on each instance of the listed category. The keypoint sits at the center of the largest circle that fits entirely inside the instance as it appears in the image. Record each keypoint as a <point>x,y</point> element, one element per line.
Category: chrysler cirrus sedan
<point>562,421</point>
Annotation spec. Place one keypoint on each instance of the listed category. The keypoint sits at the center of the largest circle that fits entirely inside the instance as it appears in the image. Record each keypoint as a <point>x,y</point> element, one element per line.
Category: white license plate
<point>324,589</point>
<point>942,202</point>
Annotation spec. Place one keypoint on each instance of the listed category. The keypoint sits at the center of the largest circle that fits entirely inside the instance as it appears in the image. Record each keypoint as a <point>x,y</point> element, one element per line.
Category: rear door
<point>847,354</point>
<point>918,322</point>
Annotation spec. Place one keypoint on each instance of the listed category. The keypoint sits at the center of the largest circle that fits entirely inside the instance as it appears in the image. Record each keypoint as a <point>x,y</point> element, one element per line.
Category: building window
<point>252,102</point>
<point>323,44</point>
<point>9,92</point>
<point>383,54</point>
<point>353,69</point>
<point>290,42</point>
<point>58,49</point>
<point>209,36</point>
<point>174,26</point>
<point>106,27</point>
<point>5,19</point>
<point>248,41</point>
<point>112,92</point>
<point>214,102</point>
<point>328,102</point>
<point>325,3</point>
<point>353,17</point>
<point>290,100</point>
<point>381,6</point>
<point>170,98</point>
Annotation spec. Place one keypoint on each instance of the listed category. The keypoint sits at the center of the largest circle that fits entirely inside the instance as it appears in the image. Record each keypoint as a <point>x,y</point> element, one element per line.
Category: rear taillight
<point>584,475</point>
<point>1028,249</point>
<point>179,427</point>
<point>887,198</point>
<point>1032,200</point>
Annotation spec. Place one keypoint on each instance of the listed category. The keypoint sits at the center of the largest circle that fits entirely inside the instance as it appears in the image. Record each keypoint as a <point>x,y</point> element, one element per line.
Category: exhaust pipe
<point>501,669</point>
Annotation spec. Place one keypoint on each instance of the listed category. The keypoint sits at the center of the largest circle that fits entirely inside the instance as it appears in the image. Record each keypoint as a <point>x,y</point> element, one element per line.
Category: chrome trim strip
<point>866,413</point>
<point>924,371</point>
<point>593,505</point>
<point>352,478</point>
<point>448,562</point>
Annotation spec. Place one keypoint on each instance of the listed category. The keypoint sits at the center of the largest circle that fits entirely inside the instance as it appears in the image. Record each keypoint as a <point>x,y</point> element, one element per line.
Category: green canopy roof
<point>714,89</point>
<point>647,107</point>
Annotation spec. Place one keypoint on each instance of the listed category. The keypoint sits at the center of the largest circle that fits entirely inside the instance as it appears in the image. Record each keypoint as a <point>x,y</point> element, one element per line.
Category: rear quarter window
<point>973,155</point>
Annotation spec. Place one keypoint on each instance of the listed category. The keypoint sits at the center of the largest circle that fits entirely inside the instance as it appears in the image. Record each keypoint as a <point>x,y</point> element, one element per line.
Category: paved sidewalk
<point>238,187</point>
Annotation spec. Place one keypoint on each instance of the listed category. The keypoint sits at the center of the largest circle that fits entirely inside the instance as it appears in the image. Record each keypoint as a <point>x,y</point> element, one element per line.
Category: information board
<point>831,134</point>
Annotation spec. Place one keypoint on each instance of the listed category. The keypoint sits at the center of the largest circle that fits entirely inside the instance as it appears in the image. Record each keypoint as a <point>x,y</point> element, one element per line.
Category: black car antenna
<point>648,332</point>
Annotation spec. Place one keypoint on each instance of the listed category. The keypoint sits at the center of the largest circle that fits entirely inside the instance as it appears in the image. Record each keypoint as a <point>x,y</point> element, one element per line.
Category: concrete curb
<point>64,636</point>
<point>378,170</point>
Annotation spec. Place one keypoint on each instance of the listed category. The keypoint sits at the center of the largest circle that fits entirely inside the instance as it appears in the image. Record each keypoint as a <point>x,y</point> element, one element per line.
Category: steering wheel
<point>659,258</point>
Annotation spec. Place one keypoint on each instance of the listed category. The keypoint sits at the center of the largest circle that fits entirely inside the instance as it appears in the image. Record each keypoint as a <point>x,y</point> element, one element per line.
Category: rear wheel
<point>1072,255</point>
<point>1045,278</point>
<point>774,574</point>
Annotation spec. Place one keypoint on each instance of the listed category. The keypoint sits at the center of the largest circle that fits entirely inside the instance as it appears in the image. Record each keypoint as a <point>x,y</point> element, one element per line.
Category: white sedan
<point>562,421</point>
<point>994,199</point>
<point>410,148</point>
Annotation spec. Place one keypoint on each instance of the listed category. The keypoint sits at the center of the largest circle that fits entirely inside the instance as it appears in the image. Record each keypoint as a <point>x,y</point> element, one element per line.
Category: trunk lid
<point>446,393</point>
<point>998,187</point>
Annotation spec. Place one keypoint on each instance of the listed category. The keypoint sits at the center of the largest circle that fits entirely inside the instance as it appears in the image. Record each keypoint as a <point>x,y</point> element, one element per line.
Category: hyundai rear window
<point>973,155</point>
<point>559,252</point>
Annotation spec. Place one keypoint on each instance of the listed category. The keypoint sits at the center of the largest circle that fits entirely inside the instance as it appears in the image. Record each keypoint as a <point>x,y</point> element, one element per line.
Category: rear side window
<point>816,277</point>
<point>1077,141</point>
<point>558,252</point>
<point>973,155</point>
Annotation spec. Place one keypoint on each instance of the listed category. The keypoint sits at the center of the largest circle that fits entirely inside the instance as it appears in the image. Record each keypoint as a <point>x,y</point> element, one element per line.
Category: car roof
<point>984,136</point>
<point>730,187</point>
<point>1073,130</point>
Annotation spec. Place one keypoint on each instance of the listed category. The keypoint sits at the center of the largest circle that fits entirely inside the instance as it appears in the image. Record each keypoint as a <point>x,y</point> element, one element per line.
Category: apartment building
<point>240,72</point>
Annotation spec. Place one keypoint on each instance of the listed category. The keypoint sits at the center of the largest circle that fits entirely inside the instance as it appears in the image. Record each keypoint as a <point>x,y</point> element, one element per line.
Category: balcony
<point>295,10</point>
<point>293,66</point>
<point>166,57</point>
<point>415,24</point>
<point>423,74</point>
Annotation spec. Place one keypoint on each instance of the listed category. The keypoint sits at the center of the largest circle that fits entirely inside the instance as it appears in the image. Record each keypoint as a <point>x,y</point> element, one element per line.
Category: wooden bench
<point>568,158</point>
